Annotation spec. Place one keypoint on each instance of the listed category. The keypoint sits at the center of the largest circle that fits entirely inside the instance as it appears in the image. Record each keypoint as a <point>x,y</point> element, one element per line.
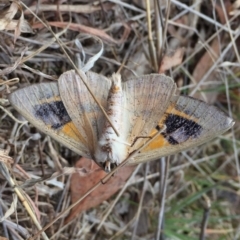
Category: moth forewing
<point>42,106</point>
<point>189,122</point>
<point>147,97</point>
<point>81,107</point>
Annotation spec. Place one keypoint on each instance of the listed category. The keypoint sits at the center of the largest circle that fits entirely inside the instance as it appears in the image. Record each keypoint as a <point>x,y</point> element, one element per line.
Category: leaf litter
<point>48,177</point>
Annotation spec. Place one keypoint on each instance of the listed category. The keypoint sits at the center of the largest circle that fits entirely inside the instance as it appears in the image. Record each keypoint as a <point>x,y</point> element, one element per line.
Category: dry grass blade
<point>66,8</point>
<point>140,206</point>
<point>164,169</point>
<point>205,219</point>
<point>24,199</point>
<point>152,49</point>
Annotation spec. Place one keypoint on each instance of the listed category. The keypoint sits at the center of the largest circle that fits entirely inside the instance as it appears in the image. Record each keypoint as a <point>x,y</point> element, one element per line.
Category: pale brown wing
<point>42,106</point>
<point>82,109</point>
<point>147,98</point>
<point>189,122</point>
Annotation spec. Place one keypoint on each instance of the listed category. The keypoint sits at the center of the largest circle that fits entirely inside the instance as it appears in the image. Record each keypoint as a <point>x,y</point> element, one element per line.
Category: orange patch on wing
<point>161,141</point>
<point>172,110</point>
<point>71,131</point>
<point>51,99</point>
<point>158,142</point>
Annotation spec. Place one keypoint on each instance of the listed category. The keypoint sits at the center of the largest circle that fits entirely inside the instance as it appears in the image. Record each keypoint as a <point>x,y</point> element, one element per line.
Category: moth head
<point>108,165</point>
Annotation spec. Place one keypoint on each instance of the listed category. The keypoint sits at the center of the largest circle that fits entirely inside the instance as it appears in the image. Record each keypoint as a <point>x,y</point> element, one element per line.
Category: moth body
<point>111,150</point>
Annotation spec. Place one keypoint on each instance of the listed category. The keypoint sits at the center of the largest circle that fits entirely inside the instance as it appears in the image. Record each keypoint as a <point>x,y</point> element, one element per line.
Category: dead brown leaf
<point>3,238</point>
<point>220,11</point>
<point>81,183</point>
<point>204,64</point>
<point>171,59</point>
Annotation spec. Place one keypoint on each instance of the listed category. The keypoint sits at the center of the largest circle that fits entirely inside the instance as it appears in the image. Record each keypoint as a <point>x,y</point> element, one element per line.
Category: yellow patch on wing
<point>158,142</point>
<point>49,100</point>
<point>71,131</point>
<point>161,141</point>
<point>172,110</point>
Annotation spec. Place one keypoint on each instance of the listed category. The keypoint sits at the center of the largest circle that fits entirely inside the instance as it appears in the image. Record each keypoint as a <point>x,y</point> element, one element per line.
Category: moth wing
<point>42,106</point>
<point>82,108</point>
<point>189,122</point>
<point>147,98</point>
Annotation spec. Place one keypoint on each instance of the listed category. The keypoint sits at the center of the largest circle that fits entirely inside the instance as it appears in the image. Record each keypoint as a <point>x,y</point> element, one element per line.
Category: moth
<point>139,108</point>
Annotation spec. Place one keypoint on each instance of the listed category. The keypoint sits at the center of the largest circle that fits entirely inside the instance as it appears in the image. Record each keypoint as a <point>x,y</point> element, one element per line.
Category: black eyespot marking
<point>179,129</point>
<point>52,113</point>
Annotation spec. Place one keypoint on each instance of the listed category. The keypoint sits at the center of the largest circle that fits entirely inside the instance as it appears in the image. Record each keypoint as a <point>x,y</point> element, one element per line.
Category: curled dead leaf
<point>80,184</point>
<point>171,59</point>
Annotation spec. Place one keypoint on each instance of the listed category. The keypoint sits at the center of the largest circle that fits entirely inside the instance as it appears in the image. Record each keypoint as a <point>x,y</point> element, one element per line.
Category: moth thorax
<point>111,149</point>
